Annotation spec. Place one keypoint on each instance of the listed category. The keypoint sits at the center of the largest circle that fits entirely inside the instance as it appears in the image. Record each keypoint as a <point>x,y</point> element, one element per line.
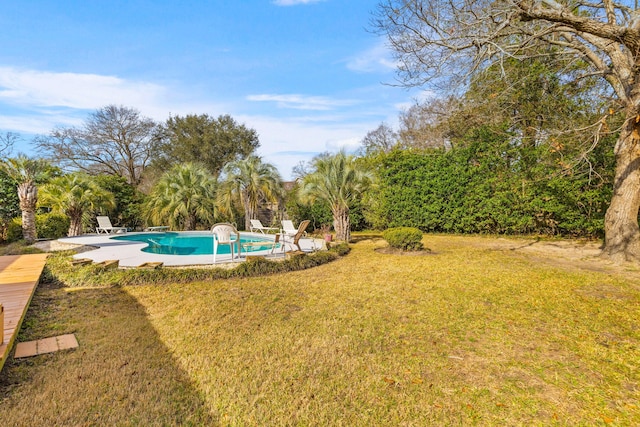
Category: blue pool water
<point>172,243</point>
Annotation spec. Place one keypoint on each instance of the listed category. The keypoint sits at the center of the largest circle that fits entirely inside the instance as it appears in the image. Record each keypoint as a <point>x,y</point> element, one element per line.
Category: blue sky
<point>306,74</point>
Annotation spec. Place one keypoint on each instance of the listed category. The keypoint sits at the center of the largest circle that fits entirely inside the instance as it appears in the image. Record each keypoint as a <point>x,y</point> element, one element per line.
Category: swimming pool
<point>191,243</point>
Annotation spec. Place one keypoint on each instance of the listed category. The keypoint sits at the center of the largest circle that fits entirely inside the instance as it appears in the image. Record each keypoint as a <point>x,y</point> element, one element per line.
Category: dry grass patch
<point>470,335</point>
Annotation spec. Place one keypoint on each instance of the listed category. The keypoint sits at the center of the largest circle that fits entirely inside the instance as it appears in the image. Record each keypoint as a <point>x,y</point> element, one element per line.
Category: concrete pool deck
<point>129,253</point>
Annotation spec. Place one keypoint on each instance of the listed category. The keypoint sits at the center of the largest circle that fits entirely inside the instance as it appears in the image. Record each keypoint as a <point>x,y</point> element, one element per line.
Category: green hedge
<point>482,187</point>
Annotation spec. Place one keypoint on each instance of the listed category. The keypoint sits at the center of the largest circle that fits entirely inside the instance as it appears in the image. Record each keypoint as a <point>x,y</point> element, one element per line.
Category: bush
<point>52,226</point>
<point>405,238</point>
<point>48,226</point>
<point>14,230</point>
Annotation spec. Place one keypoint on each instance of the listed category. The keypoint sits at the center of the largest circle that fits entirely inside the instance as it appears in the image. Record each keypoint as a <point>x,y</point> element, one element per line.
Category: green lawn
<point>473,333</point>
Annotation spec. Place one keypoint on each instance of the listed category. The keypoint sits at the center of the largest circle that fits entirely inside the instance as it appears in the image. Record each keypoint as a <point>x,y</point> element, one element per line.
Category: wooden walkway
<point>19,275</point>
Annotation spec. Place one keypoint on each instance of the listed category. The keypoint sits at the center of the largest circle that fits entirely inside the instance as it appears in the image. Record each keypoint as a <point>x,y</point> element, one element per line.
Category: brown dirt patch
<point>566,254</point>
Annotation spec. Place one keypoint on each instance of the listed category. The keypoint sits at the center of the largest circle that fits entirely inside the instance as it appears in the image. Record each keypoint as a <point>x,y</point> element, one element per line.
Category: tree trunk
<point>75,224</point>
<point>622,235</point>
<point>248,216</point>
<point>342,224</point>
<point>28,196</point>
<point>249,212</point>
<point>190,222</point>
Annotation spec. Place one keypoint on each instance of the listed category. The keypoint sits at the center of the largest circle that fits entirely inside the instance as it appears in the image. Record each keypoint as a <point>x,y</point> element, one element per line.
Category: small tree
<point>75,195</point>
<point>183,196</point>
<point>249,182</point>
<point>27,173</point>
<point>339,180</point>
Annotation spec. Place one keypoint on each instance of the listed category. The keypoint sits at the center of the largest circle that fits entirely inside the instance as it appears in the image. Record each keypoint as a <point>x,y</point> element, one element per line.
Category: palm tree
<point>249,182</point>
<point>27,173</point>
<point>339,180</point>
<point>75,195</point>
<point>183,196</point>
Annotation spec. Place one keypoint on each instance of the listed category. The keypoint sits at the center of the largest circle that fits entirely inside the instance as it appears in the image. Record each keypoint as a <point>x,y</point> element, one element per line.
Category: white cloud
<point>35,102</point>
<point>73,90</point>
<point>301,102</point>
<point>36,125</point>
<point>47,99</point>
<point>294,2</point>
<point>377,58</point>
<point>286,142</point>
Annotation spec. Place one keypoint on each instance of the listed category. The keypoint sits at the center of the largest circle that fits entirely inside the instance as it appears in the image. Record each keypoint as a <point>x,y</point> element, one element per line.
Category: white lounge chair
<point>287,228</point>
<point>296,235</point>
<point>222,235</point>
<point>104,226</point>
<point>256,224</point>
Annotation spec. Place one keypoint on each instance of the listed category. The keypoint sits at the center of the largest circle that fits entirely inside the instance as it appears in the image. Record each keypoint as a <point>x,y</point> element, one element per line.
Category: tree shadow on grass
<point>121,373</point>
<point>360,237</point>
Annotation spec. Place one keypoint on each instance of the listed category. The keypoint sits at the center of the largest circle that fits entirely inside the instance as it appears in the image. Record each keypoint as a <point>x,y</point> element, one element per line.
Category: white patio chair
<point>222,235</point>
<point>287,228</point>
<point>104,226</point>
<point>296,235</point>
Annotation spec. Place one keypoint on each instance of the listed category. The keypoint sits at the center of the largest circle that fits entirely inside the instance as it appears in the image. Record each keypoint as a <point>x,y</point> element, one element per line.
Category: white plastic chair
<point>222,235</point>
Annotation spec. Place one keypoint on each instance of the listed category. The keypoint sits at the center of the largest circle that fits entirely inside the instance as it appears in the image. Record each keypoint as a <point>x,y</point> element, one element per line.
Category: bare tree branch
<point>7,141</point>
<point>114,140</point>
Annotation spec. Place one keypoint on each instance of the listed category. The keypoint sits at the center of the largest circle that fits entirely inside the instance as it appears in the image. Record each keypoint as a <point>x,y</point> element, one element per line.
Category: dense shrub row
<point>57,270</point>
<point>481,188</point>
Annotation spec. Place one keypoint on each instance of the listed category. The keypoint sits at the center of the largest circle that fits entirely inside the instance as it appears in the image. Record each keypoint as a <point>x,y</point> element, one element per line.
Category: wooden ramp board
<point>19,275</point>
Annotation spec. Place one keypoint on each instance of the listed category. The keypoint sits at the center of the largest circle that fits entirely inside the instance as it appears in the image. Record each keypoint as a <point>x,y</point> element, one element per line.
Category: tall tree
<point>28,173</point>
<point>339,180</point>
<point>75,195</point>
<point>114,140</point>
<point>182,197</point>
<point>210,141</point>
<point>380,140</point>
<point>438,39</point>
<point>250,182</point>
<point>421,125</point>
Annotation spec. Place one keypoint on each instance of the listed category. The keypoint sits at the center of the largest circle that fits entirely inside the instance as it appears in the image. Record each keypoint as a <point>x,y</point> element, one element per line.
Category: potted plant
<point>325,229</point>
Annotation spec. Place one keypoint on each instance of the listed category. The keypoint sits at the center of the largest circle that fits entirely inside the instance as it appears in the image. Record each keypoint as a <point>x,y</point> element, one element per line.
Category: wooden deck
<point>19,275</point>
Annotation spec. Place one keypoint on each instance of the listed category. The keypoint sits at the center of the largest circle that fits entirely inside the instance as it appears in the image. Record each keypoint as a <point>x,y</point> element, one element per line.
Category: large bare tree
<point>114,140</point>
<point>435,40</point>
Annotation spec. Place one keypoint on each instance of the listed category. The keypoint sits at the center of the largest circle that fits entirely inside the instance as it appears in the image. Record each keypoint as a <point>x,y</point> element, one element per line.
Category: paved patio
<point>130,254</point>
